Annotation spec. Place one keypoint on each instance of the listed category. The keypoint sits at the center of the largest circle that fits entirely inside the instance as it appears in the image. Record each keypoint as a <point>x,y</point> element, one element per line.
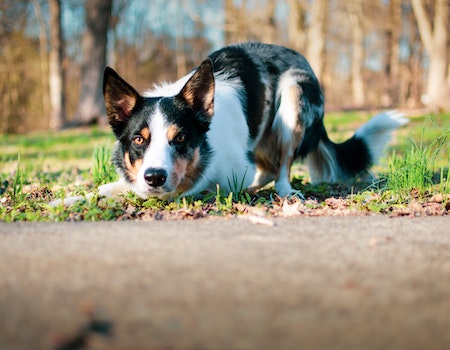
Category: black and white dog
<point>243,116</point>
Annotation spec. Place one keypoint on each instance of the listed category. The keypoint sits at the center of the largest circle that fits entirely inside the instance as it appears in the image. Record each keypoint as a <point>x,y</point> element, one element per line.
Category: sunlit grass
<point>102,169</point>
<point>53,151</point>
<point>416,167</point>
<point>35,169</point>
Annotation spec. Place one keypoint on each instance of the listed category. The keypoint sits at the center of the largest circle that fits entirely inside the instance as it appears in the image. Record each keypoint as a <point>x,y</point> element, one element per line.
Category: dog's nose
<point>155,177</point>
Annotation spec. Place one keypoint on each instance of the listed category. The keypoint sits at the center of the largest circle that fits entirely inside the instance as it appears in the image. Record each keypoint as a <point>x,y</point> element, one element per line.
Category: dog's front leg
<point>114,189</point>
<point>110,190</point>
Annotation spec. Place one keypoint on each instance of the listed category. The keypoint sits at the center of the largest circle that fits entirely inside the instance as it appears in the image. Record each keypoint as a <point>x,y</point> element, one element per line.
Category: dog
<point>240,118</point>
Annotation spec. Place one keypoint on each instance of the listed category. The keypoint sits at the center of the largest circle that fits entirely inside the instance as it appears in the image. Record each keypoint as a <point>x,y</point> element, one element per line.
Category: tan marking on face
<point>132,168</point>
<point>145,133</point>
<point>192,172</point>
<point>172,132</point>
<point>179,172</point>
<point>192,166</point>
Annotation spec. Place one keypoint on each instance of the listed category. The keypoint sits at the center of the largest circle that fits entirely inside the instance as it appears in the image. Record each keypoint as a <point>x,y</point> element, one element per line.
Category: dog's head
<point>162,145</point>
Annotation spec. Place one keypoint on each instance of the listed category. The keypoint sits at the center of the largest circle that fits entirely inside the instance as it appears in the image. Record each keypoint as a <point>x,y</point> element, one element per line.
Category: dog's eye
<point>180,138</point>
<point>138,140</point>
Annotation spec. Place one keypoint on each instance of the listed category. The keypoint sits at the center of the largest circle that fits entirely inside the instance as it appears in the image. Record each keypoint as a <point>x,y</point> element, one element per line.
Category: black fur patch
<point>353,156</point>
<point>310,141</point>
<point>238,64</point>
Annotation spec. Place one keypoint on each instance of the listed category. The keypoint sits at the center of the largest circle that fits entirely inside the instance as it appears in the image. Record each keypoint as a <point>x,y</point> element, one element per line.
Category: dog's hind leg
<point>262,178</point>
<point>288,125</point>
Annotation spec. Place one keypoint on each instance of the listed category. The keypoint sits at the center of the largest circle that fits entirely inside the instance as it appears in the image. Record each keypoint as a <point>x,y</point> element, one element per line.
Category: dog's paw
<point>54,203</point>
<point>67,202</point>
<point>296,194</point>
<point>289,192</point>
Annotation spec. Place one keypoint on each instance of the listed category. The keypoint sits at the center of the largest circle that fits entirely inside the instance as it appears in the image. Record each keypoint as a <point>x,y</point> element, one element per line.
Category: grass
<point>413,180</point>
<point>416,168</point>
<point>102,169</point>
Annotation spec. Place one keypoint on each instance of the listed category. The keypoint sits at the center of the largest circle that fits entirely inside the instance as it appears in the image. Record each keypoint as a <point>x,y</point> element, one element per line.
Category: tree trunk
<point>269,32</point>
<point>316,37</point>
<point>236,21</point>
<point>356,17</point>
<point>91,105</point>
<point>296,25</point>
<point>43,57</point>
<point>56,70</point>
<point>180,49</point>
<point>390,95</point>
<point>229,9</point>
<point>434,35</point>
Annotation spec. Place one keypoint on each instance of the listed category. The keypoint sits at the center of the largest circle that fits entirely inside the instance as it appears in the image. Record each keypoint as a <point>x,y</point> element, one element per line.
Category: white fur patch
<point>157,155</point>
<point>286,118</point>
<point>228,137</point>
<point>166,89</point>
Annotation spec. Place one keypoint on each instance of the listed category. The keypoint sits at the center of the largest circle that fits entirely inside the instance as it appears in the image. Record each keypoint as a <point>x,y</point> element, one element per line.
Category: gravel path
<point>305,283</point>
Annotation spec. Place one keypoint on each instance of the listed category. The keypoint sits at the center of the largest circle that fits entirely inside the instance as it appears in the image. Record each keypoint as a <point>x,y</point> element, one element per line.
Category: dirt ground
<point>365,282</point>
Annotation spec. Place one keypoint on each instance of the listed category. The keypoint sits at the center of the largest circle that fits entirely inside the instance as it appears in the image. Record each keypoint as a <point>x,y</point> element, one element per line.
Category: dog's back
<point>262,70</point>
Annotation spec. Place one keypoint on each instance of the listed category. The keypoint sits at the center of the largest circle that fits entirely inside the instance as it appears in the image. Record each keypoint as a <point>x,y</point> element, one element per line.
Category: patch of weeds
<point>153,203</point>
<point>16,188</point>
<point>223,201</point>
<point>12,187</point>
<point>415,168</point>
<point>444,182</point>
<point>298,182</point>
<point>323,191</point>
<point>103,170</point>
<point>104,209</point>
<point>25,211</point>
<point>94,209</point>
<point>231,203</point>
<point>237,190</point>
<point>26,208</point>
<point>371,201</point>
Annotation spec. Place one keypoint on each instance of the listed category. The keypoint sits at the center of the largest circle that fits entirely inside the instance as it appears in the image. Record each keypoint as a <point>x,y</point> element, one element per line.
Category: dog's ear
<point>198,93</point>
<point>120,99</point>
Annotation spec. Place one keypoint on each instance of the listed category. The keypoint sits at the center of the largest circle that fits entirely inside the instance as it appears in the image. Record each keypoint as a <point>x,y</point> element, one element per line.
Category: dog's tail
<point>331,162</point>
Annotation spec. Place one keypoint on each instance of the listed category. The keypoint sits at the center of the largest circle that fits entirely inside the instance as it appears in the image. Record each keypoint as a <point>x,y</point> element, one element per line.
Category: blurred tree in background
<point>56,71</point>
<point>94,44</point>
<point>367,54</point>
